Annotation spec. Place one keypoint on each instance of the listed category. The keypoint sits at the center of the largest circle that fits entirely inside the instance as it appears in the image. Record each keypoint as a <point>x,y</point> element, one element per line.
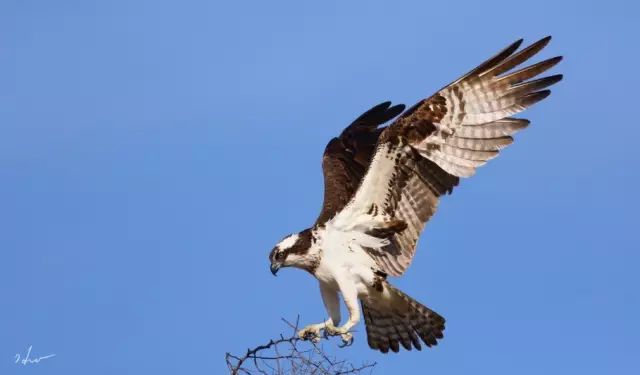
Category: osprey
<point>383,183</point>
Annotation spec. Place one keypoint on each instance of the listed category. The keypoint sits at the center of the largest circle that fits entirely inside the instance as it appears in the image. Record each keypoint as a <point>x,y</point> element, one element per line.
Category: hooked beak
<point>274,268</point>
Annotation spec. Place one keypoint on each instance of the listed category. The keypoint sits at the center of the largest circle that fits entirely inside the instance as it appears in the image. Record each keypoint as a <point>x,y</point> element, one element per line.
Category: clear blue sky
<point>152,153</point>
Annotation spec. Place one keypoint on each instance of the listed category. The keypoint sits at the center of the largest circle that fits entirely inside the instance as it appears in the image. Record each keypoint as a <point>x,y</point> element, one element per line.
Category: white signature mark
<point>26,360</point>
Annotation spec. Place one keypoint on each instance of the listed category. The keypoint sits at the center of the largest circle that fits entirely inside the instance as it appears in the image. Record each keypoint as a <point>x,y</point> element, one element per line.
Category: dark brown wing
<point>347,157</point>
<point>447,136</point>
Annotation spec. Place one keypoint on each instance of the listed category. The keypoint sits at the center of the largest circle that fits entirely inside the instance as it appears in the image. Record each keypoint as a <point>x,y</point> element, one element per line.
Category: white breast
<point>344,258</point>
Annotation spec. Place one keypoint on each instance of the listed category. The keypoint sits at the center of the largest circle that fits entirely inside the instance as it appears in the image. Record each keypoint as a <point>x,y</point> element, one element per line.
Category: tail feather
<point>401,321</point>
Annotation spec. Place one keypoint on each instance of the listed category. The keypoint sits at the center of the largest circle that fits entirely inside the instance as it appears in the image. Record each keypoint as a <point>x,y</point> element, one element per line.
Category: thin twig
<point>297,360</point>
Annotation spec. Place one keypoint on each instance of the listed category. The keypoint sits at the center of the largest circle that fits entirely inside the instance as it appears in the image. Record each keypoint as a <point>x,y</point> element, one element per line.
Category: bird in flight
<point>383,183</point>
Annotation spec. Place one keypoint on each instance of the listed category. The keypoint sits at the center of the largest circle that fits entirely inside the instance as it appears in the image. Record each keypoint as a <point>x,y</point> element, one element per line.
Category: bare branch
<point>287,355</point>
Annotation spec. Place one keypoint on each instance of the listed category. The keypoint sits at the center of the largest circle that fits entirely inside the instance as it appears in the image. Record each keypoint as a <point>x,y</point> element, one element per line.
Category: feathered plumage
<point>382,184</point>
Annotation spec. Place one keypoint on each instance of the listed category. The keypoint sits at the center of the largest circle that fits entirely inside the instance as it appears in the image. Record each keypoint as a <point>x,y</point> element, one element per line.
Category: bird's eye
<point>279,255</point>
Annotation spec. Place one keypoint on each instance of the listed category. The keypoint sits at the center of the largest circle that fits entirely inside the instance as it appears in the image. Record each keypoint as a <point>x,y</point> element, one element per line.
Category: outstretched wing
<point>347,157</point>
<point>424,152</point>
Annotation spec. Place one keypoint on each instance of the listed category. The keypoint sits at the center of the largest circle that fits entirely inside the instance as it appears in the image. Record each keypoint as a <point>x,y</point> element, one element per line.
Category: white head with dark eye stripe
<point>291,251</point>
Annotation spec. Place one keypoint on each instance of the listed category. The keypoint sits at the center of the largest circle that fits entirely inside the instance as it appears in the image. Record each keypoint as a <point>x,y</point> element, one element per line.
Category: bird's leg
<point>350,295</point>
<point>332,304</point>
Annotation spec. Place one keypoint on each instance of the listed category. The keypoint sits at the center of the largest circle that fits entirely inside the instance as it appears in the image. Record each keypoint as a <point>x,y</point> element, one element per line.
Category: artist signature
<point>27,360</point>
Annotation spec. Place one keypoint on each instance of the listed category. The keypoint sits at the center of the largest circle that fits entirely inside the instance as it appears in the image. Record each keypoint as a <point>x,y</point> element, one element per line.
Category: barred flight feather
<point>442,138</point>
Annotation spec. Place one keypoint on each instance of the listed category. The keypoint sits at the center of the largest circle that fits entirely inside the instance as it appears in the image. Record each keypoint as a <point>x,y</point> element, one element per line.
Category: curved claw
<point>346,342</point>
<point>343,332</point>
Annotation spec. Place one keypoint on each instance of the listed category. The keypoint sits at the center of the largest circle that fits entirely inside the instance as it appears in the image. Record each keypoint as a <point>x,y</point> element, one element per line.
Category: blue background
<point>153,152</point>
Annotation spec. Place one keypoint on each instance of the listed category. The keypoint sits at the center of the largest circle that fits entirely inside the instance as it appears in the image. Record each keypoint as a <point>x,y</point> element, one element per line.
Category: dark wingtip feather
<point>525,73</point>
<point>521,121</point>
<point>393,112</point>
<point>397,109</point>
<point>555,59</point>
<point>540,44</point>
<point>504,53</point>
<point>535,85</point>
<point>554,79</point>
<point>515,45</point>
<point>522,56</point>
<point>373,117</point>
<point>533,98</point>
<point>544,41</point>
<point>492,62</point>
<point>375,109</point>
<point>557,77</point>
<point>384,105</point>
<point>551,62</point>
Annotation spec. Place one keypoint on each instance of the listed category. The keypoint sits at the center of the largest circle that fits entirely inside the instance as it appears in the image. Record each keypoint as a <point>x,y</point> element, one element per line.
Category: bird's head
<point>291,251</point>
